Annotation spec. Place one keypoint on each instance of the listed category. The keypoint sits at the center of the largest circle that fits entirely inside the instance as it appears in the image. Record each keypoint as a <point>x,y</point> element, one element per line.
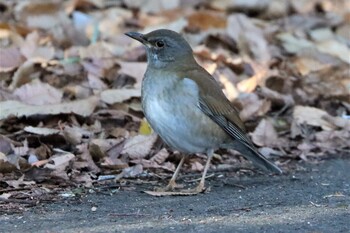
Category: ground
<point>314,199</point>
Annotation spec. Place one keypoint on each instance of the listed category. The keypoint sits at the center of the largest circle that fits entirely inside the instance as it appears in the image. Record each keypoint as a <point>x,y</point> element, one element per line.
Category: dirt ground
<point>314,199</point>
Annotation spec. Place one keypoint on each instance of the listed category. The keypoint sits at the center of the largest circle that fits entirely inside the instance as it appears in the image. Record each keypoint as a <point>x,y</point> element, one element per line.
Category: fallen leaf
<point>41,130</point>
<point>253,106</point>
<point>152,6</point>
<point>5,165</point>
<point>59,161</point>
<point>293,44</point>
<point>161,156</point>
<point>130,172</point>
<point>99,147</point>
<point>119,95</point>
<point>204,19</point>
<point>13,59</point>
<point>18,109</point>
<point>311,116</point>
<point>38,93</point>
<point>196,166</point>
<point>33,51</point>
<point>265,134</point>
<point>84,160</point>
<point>250,38</point>
<point>19,183</point>
<point>335,48</point>
<point>162,194</point>
<point>5,145</point>
<point>133,69</point>
<point>139,146</point>
<point>22,74</point>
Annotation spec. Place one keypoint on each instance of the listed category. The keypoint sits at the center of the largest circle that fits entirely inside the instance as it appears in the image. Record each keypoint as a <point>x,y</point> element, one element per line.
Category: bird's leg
<point>172,183</point>
<point>200,187</point>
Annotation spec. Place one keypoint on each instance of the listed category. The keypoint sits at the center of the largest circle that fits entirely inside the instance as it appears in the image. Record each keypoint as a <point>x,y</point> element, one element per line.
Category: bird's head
<point>164,47</point>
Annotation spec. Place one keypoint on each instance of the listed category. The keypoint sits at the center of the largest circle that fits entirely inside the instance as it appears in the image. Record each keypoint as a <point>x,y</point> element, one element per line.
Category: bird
<point>186,106</point>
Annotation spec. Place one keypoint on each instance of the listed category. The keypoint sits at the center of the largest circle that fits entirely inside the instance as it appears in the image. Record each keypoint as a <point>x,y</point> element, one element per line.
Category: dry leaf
<point>33,51</point>
<point>19,183</point>
<point>38,93</point>
<point>168,166</point>
<point>204,19</point>
<point>152,6</point>
<point>162,194</point>
<point>133,69</point>
<point>5,145</point>
<point>249,37</point>
<point>130,172</point>
<point>265,134</point>
<point>99,147</point>
<point>22,74</point>
<point>59,161</point>
<point>41,131</point>
<point>119,95</point>
<point>13,59</point>
<point>18,109</point>
<point>161,156</point>
<point>253,106</point>
<point>196,166</point>
<point>139,146</point>
<point>311,116</point>
<point>84,160</point>
<point>335,48</point>
<point>5,165</point>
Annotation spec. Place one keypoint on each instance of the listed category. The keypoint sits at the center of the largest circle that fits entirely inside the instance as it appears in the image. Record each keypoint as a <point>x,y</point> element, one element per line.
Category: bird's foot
<point>199,189</point>
<point>170,187</point>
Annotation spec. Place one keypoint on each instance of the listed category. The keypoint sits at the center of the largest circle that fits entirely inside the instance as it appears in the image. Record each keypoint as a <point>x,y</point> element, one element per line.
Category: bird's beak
<point>137,36</point>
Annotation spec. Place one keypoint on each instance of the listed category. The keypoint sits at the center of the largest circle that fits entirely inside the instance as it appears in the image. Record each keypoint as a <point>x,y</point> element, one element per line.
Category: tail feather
<point>253,155</point>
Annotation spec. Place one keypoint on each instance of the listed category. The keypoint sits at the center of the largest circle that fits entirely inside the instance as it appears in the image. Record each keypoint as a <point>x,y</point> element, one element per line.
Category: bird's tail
<point>253,155</point>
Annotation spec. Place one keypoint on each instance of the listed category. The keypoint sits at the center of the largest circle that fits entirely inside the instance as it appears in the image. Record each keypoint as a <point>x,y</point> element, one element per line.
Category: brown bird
<point>186,107</point>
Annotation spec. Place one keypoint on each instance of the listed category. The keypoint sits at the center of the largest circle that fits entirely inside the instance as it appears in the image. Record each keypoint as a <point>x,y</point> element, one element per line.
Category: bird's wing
<point>213,102</point>
<point>215,105</point>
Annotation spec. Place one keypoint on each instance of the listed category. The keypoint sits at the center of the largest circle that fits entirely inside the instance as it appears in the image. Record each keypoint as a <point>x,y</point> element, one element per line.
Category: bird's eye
<point>160,44</point>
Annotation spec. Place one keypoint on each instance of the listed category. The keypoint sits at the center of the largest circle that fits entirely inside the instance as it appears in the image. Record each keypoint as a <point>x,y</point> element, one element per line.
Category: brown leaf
<point>41,130</point>
<point>84,160</point>
<point>99,147</point>
<point>38,93</point>
<point>161,156</point>
<point>20,182</point>
<point>153,164</point>
<point>204,19</point>
<point>311,116</point>
<point>139,146</point>
<point>112,96</point>
<point>60,161</point>
<point>250,38</point>
<point>5,145</point>
<point>5,165</point>
<point>131,171</point>
<point>33,51</point>
<point>13,59</point>
<point>22,74</point>
<point>152,6</point>
<point>265,134</point>
<point>162,194</point>
<point>253,106</point>
<point>133,69</point>
<point>80,107</point>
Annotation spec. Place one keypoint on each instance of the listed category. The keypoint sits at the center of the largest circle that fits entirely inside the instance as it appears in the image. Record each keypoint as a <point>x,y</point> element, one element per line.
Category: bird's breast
<point>170,105</point>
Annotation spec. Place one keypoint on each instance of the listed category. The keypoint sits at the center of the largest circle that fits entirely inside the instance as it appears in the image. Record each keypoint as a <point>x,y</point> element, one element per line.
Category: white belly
<point>173,114</point>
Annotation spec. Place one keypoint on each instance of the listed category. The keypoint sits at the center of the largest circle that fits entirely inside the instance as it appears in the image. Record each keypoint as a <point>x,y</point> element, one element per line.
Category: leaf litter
<point>70,86</point>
